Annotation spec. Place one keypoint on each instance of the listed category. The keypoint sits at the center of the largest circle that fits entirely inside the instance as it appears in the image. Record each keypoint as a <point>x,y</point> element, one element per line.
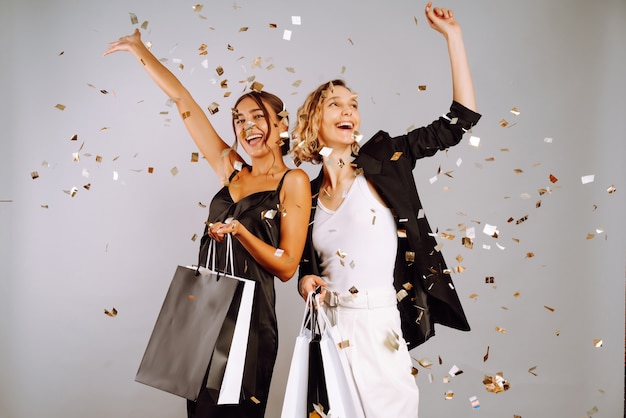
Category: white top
<point>357,243</point>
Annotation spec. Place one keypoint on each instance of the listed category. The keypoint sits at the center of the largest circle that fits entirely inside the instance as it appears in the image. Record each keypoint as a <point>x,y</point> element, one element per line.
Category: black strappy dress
<point>260,214</point>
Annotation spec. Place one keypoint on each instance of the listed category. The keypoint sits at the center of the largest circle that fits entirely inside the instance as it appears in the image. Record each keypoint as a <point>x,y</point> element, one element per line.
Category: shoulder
<point>296,178</point>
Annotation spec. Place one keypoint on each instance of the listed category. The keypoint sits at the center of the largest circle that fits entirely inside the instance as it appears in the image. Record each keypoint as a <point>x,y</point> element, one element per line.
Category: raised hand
<point>442,20</point>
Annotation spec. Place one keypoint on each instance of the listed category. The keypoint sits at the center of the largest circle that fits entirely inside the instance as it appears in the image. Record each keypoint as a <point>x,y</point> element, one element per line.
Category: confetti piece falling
<point>496,384</point>
<point>112,313</point>
<point>587,179</point>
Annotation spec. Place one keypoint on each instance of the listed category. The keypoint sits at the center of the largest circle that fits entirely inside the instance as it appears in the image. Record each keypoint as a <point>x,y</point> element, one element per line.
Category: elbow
<point>286,274</point>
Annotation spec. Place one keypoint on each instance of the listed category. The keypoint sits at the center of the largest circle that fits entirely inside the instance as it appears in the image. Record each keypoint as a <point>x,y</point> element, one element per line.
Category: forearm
<point>160,74</point>
<point>275,260</point>
<point>462,85</point>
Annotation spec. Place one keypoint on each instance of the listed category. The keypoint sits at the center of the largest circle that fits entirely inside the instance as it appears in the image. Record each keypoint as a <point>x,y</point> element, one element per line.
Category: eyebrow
<point>251,111</point>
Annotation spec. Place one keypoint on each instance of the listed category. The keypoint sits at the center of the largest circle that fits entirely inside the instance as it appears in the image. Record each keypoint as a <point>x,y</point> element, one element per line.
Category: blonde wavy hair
<point>306,145</point>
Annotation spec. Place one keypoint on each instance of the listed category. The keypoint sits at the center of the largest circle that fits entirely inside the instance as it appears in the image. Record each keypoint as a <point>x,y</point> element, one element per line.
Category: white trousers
<point>378,355</point>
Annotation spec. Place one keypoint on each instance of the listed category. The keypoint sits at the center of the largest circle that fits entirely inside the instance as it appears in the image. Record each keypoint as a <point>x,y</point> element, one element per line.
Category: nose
<point>347,110</point>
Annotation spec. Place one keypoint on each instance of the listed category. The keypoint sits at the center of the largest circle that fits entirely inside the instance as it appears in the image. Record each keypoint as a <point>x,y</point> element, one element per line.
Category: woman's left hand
<point>441,19</point>
<point>218,230</point>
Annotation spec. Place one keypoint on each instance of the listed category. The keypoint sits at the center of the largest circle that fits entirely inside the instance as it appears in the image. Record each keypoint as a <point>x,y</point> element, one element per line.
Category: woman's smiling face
<point>251,127</point>
<point>340,117</point>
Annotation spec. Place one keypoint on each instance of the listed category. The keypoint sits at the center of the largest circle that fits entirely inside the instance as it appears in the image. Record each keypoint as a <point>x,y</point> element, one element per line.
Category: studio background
<point>548,173</point>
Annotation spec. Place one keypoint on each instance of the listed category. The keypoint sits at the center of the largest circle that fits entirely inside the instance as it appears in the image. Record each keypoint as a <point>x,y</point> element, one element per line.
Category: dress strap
<point>235,171</point>
<point>282,179</point>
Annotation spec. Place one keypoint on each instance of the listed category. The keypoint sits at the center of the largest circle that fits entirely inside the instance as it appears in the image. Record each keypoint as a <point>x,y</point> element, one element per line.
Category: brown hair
<point>275,103</point>
<point>306,144</point>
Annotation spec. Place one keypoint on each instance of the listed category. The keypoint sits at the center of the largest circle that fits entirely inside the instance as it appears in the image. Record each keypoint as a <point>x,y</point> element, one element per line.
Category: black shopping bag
<point>187,329</point>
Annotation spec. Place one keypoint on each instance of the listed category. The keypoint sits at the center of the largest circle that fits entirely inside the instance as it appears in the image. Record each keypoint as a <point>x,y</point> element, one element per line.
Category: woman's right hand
<point>309,283</point>
<point>125,43</point>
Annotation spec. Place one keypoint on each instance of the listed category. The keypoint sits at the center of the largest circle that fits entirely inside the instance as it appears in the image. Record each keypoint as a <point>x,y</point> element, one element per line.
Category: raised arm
<point>442,20</point>
<point>195,119</point>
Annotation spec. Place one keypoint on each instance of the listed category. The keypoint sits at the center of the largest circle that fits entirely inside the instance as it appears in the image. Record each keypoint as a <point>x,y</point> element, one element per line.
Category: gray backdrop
<point>557,263</point>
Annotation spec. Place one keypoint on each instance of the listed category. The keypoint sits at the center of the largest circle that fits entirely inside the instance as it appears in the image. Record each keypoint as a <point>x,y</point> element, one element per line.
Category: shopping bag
<point>343,395</point>
<point>225,377</point>
<point>317,391</point>
<point>295,400</point>
<point>186,330</point>
<point>198,304</point>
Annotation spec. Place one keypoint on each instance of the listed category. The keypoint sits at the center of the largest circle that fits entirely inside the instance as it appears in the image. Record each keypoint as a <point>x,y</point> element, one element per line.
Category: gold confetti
<point>60,106</point>
<point>191,297</point>
<point>133,19</point>
<point>343,344</point>
<point>112,313</point>
<point>489,279</point>
<point>353,290</point>
<point>87,186</point>
<point>611,189</point>
<point>197,8</point>
<point>273,26</point>
<point>150,170</point>
<point>421,87</point>
<point>532,370</point>
<point>496,384</point>
<point>549,308</point>
<point>256,86</point>
<point>243,29</point>
<point>522,219</point>
<point>449,395</point>
<point>424,362</point>
<point>473,296</point>
<point>504,123</point>
<point>255,400</point>
<point>597,343</point>
<point>486,356</point>
<point>144,25</point>
<point>530,255</point>
<point>174,171</point>
<point>219,70</point>
<point>396,156</point>
<point>194,157</point>
<point>501,330</point>
<point>34,175</point>
<point>515,111</point>
<point>553,179</point>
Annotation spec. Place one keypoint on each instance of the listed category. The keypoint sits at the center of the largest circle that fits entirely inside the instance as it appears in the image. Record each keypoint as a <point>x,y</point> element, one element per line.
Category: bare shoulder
<point>297,178</point>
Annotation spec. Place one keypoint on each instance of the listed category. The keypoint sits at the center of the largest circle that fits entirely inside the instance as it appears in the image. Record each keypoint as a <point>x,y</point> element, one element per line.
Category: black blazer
<point>426,294</point>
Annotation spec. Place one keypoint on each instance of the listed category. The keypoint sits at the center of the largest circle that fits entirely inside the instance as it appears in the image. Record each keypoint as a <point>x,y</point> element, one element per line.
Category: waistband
<point>370,299</point>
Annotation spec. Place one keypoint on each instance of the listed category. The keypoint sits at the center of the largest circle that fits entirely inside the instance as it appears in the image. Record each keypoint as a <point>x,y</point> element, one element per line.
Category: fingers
<point>440,12</point>
<point>218,230</point>
<point>309,283</point>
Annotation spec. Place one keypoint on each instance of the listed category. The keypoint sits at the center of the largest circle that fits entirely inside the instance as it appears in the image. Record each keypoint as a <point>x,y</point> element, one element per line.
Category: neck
<point>338,170</point>
<point>267,165</point>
